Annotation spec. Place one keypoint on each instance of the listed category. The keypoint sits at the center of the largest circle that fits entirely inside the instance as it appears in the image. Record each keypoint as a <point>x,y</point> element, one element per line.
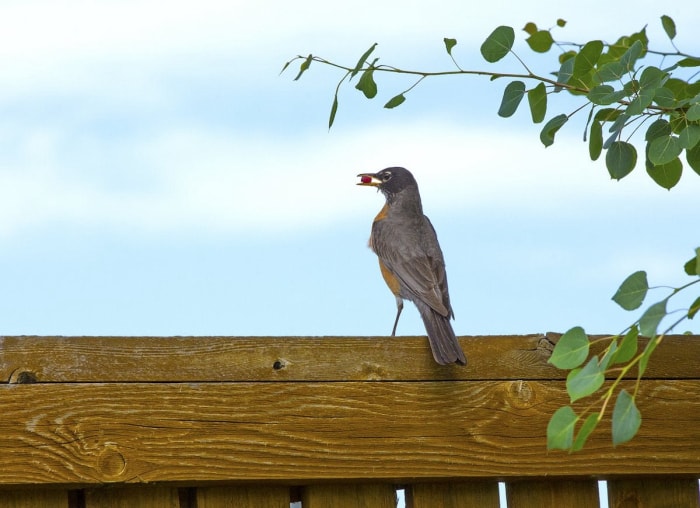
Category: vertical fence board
<point>267,496</point>
<point>349,496</point>
<point>145,496</point>
<point>654,493</point>
<point>453,495</point>
<point>552,494</point>
<point>34,499</point>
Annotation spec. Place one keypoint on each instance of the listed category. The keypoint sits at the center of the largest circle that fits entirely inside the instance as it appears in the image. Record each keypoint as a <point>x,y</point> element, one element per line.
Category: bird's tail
<point>443,343</point>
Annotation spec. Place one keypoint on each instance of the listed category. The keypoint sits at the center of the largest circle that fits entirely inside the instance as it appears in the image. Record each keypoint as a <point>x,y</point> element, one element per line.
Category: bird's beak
<point>369,179</point>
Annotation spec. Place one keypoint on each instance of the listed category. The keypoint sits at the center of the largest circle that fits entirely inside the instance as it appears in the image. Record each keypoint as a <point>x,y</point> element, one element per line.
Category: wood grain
<point>132,497</point>
<point>35,498</point>
<point>213,359</point>
<point>453,495</point>
<point>654,493</point>
<point>317,412</point>
<point>245,496</point>
<point>349,496</point>
<point>553,494</point>
<point>82,434</point>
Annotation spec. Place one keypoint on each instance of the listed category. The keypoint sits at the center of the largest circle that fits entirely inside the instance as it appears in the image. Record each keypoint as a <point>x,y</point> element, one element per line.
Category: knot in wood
<point>23,377</point>
<point>521,394</point>
<point>373,371</point>
<point>111,463</point>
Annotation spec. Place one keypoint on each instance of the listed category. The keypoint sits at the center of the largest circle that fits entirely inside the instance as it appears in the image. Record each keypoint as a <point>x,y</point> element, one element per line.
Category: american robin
<point>411,261</point>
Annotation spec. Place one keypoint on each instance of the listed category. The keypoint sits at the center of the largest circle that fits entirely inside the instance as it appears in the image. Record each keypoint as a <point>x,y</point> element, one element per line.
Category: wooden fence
<point>333,422</point>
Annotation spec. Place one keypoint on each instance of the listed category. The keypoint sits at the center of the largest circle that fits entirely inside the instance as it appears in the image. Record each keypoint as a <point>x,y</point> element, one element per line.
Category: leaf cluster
<point>569,429</point>
<point>617,86</point>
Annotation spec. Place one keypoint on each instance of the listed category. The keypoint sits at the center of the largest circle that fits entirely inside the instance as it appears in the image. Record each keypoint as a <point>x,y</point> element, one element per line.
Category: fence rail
<point>209,422</point>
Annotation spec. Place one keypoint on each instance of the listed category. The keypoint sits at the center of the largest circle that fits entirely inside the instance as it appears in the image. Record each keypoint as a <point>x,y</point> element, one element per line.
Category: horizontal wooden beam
<point>221,410</point>
<point>201,359</point>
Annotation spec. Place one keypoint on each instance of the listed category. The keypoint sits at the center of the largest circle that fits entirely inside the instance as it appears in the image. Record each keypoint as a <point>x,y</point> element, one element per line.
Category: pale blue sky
<point>158,176</point>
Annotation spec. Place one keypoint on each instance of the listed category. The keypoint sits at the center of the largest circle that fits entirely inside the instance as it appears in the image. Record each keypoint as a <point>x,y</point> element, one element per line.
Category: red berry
<point>366,179</point>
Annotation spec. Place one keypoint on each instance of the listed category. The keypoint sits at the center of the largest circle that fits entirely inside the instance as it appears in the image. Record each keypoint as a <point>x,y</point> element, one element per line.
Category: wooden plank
<point>654,493</point>
<point>202,359</point>
<point>35,498</point>
<point>83,434</point>
<point>349,496</point>
<point>247,496</point>
<point>553,494</point>
<point>476,494</point>
<point>149,496</point>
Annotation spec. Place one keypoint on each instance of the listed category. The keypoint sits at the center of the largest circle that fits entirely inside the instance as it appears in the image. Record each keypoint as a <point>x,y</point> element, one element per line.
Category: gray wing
<point>413,255</point>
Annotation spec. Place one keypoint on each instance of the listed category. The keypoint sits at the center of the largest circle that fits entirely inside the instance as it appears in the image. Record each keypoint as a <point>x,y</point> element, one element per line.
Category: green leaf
<point>658,129</point>
<point>649,322</point>
<point>366,83</point>
<point>632,291</point>
<point>664,97</point>
<point>587,58</point>
<point>600,93</point>
<point>620,159</point>
<point>304,66</point>
<point>669,26</point>
<point>607,115</point>
<point>694,308</point>
<point>334,110</point>
<point>396,100</point>
<point>693,113</point>
<point>530,28</point>
<point>595,144</point>
<point>512,96</point>
<point>362,60</point>
<point>690,136</point>
<point>641,102</point>
<point>581,382</point>
<point>605,94</point>
<point>571,350</point>
<point>628,347</point>
<point>537,99</point>
<point>631,55</point>
<point>652,77</point>
<point>666,175</point>
<point>626,418</point>
<point>619,123</point>
<point>560,429</point>
<point>689,62</point>
<point>566,55</point>
<point>692,267</point>
<point>693,158</point>
<point>611,71</point>
<point>551,128</point>
<point>565,71</point>
<point>541,41</point>
<point>498,44</point>
<point>588,426</point>
<point>663,150</point>
<point>561,23</point>
<point>449,44</point>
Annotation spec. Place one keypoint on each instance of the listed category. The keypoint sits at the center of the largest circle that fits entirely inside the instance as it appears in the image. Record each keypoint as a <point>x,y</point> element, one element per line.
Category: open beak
<point>369,179</point>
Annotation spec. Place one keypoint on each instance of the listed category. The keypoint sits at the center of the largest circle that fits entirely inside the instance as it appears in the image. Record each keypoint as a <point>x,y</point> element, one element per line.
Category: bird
<point>411,261</point>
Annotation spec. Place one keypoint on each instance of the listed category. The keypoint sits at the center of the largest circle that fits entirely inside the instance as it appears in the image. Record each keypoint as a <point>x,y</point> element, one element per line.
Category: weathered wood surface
<point>303,411</point>
<point>656,493</point>
<point>211,359</point>
<point>553,494</point>
<point>453,495</point>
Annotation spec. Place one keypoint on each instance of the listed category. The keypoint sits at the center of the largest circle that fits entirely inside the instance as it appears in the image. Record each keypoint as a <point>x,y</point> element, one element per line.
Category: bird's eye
<point>386,176</point>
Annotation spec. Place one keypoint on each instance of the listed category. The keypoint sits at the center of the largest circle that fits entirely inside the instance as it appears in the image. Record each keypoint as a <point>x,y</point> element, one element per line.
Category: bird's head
<point>391,181</point>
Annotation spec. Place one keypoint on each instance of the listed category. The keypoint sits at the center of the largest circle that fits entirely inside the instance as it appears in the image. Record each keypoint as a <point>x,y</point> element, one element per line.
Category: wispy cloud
<point>231,181</point>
